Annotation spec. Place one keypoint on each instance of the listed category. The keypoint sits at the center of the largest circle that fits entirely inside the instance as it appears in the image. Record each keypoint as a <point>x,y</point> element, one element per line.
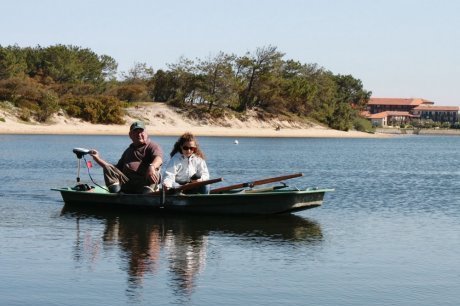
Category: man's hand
<point>93,152</point>
<point>97,158</point>
<point>153,175</point>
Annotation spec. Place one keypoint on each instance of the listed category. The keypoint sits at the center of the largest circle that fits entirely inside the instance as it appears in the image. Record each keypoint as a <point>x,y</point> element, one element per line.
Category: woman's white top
<point>180,169</point>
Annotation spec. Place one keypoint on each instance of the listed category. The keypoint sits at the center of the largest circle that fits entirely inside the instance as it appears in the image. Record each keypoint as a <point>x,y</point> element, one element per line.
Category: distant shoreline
<point>59,129</point>
<point>162,120</point>
<point>439,132</point>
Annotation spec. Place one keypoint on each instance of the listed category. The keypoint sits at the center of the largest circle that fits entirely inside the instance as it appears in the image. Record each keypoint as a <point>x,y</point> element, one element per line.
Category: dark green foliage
<point>363,125</point>
<point>12,62</point>
<point>429,124</point>
<point>35,79</point>
<point>256,74</point>
<point>165,86</point>
<point>185,84</point>
<point>445,125</point>
<point>131,92</point>
<point>94,109</point>
<point>200,112</point>
<point>42,79</point>
<point>217,85</point>
<point>70,64</point>
<point>59,64</point>
<point>265,81</point>
<point>39,101</point>
<point>47,106</point>
<point>81,89</point>
<point>25,114</point>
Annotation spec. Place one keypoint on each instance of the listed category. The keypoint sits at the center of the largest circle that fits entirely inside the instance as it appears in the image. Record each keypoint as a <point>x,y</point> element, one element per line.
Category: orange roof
<point>437,108</point>
<point>378,115</point>
<point>389,114</point>
<point>398,101</point>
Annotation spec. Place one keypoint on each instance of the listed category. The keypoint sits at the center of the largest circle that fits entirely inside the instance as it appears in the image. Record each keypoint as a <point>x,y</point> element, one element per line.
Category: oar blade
<point>197,184</point>
<point>257,182</point>
<point>189,186</point>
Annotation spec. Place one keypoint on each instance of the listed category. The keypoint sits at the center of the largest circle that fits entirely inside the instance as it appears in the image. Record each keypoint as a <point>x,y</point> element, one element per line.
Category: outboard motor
<point>80,152</point>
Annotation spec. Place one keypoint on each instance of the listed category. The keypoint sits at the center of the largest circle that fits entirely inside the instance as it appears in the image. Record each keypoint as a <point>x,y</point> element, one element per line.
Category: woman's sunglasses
<point>185,148</point>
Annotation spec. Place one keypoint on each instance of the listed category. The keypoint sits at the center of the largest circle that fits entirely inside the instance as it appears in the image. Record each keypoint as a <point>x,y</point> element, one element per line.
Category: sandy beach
<point>162,120</point>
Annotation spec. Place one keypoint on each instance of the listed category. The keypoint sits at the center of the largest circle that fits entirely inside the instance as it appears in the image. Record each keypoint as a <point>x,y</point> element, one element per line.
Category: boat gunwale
<point>102,192</point>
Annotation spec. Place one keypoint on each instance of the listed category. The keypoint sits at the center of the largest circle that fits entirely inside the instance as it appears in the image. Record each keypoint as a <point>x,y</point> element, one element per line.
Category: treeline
<point>43,80</point>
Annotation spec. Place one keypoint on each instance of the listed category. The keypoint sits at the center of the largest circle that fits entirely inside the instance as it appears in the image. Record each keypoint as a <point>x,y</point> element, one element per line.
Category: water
<point>388,235</point>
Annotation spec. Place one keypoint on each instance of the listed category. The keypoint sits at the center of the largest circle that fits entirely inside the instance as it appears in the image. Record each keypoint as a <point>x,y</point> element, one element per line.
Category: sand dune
<point>165,121</point>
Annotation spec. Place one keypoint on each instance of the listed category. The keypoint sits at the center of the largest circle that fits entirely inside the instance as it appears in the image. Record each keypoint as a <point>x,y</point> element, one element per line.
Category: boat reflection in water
<point>147,241</point>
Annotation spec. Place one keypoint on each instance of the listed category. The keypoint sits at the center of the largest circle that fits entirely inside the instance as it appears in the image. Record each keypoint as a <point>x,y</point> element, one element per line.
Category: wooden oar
<point>255,183</point>
<point>189,186</point>
<point>194,185</point>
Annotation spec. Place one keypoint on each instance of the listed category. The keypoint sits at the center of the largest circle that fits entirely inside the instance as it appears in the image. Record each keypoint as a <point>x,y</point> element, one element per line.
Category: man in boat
<point>138,170</point>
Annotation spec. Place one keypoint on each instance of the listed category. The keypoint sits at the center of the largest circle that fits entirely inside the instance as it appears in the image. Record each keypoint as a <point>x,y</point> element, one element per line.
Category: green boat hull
<point>234,203</point>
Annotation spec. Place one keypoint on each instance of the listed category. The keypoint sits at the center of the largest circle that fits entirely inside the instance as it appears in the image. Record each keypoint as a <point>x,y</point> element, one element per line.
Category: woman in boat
<point>187,165</point>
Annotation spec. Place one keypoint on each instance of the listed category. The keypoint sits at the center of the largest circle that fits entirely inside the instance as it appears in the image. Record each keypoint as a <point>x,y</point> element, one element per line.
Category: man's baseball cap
<point>137,125</point>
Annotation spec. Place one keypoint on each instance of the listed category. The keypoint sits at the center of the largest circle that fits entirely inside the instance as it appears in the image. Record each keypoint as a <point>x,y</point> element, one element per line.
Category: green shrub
<point>25,114</point>
<point>48,105</point>
<point>363,125</point>
<point>78,89</point>
<point>94,109</point>
<point>445,125</point>
<point>25,93</point>
<point>131,92</point>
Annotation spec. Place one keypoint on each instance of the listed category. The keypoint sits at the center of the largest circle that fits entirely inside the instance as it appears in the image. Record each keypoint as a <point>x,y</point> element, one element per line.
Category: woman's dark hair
<point>187,137</point>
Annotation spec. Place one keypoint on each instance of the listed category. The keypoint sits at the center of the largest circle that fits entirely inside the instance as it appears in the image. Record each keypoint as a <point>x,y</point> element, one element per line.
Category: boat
<point>238,199</point>
<point>251,202</point>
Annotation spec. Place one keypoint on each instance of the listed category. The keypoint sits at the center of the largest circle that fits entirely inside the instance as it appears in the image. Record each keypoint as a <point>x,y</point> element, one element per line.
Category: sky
<point>397,48</point>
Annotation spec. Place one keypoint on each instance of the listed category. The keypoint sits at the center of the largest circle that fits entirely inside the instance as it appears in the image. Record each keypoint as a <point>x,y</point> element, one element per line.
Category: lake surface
<point>388,235</point>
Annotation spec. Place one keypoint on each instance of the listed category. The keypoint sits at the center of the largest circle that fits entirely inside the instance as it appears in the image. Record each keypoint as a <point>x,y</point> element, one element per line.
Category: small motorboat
<point>238,199</point>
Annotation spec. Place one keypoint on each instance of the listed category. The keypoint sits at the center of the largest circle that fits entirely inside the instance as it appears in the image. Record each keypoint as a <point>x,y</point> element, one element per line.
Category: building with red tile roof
<point>391,111</point>
<point>437,113</point>
<point>376,105</point>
